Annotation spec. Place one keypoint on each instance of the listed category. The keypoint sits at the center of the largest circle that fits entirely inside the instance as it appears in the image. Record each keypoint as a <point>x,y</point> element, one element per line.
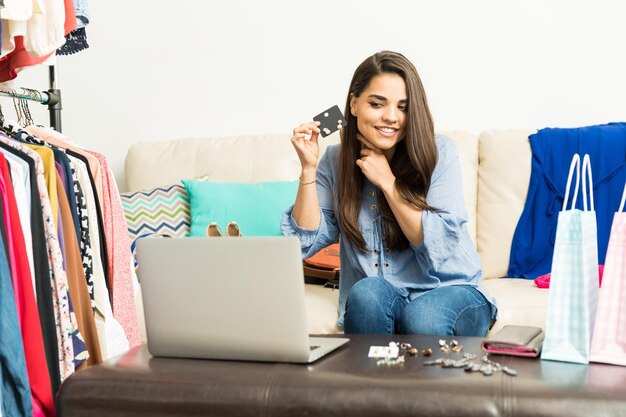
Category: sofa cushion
<point>467,145</point>
<point>257,208</point>
<point>321,309</point>
<point>504,169</point>
<point>161,210</point>
<point>519,302</point>
<point>251,158</point>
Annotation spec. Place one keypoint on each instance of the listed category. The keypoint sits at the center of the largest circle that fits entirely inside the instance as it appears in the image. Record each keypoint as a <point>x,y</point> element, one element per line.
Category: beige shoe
<point>232,230</point>
<point>213,230</point>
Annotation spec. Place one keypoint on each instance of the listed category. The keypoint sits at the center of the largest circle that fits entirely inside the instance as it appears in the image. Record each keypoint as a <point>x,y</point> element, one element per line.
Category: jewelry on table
<point>487,367</point>
<point>395,352</point>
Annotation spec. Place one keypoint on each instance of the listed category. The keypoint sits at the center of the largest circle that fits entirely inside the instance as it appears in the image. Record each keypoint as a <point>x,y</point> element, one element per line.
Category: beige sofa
<point>496,169</point>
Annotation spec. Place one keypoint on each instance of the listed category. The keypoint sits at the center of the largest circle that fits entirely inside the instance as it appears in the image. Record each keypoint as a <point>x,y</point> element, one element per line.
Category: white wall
<point>194,68</point>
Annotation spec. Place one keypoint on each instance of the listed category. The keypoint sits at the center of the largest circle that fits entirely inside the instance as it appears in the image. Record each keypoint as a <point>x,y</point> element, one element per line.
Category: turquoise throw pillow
<point>257,208</point>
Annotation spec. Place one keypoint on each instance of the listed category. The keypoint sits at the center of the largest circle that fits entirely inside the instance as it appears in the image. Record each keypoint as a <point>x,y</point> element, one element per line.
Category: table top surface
<point>349,379</point>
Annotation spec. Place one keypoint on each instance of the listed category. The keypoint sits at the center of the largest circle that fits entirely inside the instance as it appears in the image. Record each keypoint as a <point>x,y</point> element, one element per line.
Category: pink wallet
<point>515,340</point>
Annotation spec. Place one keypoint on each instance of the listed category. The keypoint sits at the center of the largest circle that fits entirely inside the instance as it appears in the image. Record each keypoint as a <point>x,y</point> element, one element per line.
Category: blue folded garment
<point>552,150</point>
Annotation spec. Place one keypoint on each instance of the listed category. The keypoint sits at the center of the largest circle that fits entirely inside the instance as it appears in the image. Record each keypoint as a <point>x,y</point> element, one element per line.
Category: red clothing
<point>27,313</point>
<point>19,58</point>
<point>543,281</point>
<point>70,16</point>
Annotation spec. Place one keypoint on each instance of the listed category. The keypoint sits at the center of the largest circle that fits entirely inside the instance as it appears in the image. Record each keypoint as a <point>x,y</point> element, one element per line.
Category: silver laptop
<point>238,298</point>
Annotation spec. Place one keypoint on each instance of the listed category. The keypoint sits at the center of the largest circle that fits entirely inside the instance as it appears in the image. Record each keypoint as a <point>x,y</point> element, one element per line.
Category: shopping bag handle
<point>587,170</point>
<point>574,165</point>
<point>586,178</point>
<point>621,205</point>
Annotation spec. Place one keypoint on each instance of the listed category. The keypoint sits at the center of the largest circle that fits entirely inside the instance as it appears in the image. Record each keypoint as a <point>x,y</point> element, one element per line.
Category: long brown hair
<point>412,163</point>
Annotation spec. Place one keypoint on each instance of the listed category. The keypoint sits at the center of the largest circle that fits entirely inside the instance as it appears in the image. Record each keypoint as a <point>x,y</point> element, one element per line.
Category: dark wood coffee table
<point>345,383</point>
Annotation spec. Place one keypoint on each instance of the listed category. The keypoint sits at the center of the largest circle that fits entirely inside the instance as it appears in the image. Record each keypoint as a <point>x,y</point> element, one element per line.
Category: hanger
<point>3,127</point>
<point>24,118</point>
<point>28,118</point>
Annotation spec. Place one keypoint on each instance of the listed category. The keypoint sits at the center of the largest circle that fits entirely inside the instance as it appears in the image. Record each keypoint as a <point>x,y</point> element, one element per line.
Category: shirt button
<point>373,206</point>
<point>387,250</point>
<point>376,265</point>
<point>372,193</point>
<point>386,264</point>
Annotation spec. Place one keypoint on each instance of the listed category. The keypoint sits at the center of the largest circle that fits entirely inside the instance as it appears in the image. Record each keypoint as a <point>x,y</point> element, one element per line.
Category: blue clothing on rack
<point>552,150</point>
<point>15,388</point>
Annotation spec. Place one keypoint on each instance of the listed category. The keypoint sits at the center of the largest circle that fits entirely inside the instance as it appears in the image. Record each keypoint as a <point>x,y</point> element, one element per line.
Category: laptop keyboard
<point>311,348</point>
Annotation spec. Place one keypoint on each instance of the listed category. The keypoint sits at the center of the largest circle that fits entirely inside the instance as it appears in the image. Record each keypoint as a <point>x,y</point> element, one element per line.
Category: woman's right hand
<point>308,149</point>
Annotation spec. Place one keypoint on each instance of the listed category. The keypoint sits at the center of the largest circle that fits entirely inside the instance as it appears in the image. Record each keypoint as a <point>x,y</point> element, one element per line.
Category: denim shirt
<point>445,257</point>
<point>82,13</point>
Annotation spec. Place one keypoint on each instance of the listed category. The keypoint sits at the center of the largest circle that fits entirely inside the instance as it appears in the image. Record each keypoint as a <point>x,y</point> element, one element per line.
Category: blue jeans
<point>376,306</point>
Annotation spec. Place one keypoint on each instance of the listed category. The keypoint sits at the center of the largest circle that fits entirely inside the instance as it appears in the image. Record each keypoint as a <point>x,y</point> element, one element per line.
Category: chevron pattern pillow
<point>159,211</point>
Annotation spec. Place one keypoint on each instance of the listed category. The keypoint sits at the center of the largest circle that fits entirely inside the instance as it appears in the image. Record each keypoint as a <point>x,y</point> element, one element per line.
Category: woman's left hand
<point>374,165</point>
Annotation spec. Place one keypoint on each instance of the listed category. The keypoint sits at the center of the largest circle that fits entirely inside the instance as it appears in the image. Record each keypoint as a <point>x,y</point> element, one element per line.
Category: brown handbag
<point>324,264</point>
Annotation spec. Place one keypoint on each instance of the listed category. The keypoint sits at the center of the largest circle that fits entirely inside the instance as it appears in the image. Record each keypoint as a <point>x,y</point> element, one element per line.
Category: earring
<point>232,230</point>
<point>213,230</point>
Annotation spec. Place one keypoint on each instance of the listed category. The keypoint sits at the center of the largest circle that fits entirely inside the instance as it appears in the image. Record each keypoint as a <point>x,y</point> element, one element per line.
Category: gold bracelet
<point>307,183</point>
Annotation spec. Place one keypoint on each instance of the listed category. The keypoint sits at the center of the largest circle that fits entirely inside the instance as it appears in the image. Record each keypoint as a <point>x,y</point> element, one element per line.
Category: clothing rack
<point>51,97</point>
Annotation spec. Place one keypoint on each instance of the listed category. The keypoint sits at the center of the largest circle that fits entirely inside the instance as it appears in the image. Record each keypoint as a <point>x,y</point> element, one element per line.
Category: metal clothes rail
<point>51,97</point>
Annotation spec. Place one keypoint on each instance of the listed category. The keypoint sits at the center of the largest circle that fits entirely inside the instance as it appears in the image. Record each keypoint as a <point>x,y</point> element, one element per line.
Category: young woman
<point>391,193</point>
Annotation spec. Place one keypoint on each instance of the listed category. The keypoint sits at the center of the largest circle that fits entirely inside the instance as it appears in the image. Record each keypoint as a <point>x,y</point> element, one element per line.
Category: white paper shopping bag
<point>573,294</point>
<point>609,336</point>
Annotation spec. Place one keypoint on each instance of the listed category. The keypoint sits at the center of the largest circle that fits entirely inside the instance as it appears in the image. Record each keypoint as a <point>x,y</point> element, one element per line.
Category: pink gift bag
<point>608,343</point>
